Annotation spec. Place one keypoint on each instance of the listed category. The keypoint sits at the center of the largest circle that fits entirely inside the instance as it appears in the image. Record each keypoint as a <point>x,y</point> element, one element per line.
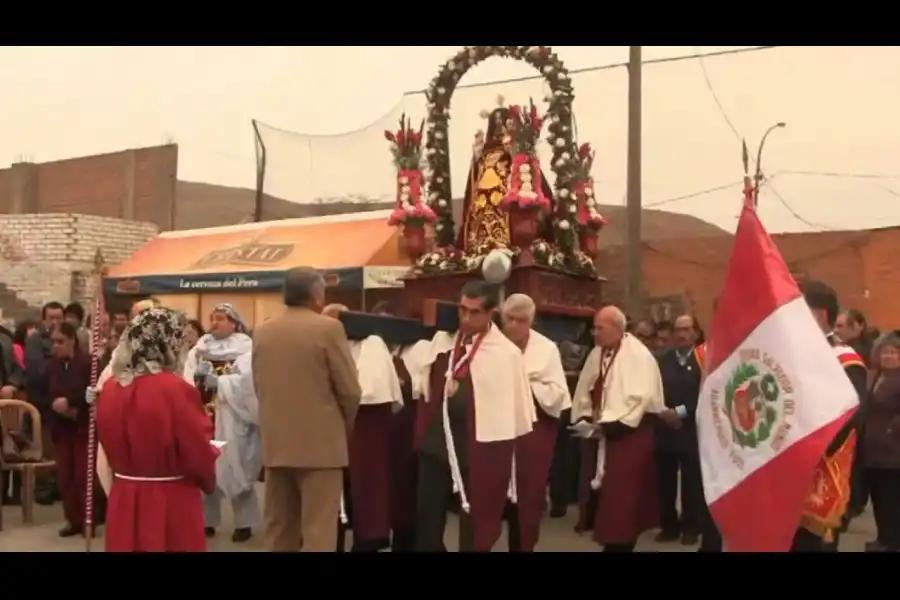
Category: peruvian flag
<point>773,400</point>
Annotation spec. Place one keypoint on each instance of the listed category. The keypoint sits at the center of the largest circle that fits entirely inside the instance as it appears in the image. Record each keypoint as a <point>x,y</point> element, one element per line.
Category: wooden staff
<point>96,351</point>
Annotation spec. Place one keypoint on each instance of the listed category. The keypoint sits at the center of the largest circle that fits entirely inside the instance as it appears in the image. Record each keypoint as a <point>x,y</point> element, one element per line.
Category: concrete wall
<point>46,257</point>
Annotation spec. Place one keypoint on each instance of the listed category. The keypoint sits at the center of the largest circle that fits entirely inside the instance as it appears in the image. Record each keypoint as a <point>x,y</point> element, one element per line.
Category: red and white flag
<point>773,400</point>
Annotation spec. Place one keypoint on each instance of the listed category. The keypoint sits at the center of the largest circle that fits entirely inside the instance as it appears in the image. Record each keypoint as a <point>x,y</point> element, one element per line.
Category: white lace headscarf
<point>152,343</point>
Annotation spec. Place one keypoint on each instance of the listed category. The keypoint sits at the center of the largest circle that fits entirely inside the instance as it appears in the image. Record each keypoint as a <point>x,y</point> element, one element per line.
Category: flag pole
<point>96,351</point>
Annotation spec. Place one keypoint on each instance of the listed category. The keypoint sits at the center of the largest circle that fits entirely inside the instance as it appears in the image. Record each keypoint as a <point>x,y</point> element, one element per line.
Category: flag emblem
<point>755,401</point>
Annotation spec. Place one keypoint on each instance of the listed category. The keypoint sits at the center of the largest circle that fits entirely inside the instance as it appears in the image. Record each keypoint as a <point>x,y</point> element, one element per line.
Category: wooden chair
<point>12,418</point>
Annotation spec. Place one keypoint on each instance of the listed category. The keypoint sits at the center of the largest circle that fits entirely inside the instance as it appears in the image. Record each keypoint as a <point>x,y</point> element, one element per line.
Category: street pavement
<point>557,535</point>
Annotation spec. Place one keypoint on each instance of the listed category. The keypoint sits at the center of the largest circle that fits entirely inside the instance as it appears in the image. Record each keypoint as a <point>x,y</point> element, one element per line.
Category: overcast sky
<point>839,104</point>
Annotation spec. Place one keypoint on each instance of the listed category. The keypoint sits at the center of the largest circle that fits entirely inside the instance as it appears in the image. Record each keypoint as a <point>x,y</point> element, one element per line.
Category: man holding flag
<point>826,505</point>
<point>773,404</point>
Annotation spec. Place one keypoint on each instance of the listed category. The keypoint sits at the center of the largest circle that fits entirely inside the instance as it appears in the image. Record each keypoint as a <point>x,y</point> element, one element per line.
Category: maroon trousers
<point>70,442</point>
<point>403,469</point>
<point>627,503</point>
<point>534,456</point>
<point>370,455</point>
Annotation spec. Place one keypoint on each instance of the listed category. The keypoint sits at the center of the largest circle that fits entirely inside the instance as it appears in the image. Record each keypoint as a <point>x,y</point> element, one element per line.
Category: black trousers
<point>884,485</point>
<point>859,485</point>
<point>807,541</point>
<point>564,469</point>
<point>685,462</point>
<point>434,499</point>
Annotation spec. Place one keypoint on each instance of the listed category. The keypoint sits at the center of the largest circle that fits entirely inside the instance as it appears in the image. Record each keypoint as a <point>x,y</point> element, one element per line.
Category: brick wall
<point>50,256</point>
<point>136,184</point>
<point>688,274</point>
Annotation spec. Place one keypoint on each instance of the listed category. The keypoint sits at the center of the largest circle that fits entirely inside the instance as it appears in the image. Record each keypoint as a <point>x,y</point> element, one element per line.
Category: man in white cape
<point>534,452</point>
<point>367,506</point>
<point>615,407</point>
<point>478,403</point>
<point>215,355</point>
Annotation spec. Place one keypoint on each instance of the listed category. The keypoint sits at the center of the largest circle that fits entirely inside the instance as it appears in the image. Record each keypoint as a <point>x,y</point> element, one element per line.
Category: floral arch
<point>574,217</point>
<point>439,95</point>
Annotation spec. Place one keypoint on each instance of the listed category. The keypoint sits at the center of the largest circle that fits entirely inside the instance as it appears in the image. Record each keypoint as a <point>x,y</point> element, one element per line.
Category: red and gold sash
<point>827,501</point>
<point>700,355</point>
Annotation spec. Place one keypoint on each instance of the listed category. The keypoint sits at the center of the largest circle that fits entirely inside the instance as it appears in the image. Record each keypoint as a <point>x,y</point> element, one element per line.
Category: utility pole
<point>633,258</point>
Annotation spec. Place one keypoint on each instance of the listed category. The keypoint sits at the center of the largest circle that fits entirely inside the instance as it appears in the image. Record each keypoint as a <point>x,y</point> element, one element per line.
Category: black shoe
<point>242,534</point>
<point>690,539</point>
<point>70,531</point>
<point>664,537</point>
<point>558,512</point>
<point>210,531</point>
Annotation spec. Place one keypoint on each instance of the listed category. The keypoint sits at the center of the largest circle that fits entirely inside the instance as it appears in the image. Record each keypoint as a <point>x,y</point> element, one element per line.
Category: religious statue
<point>485,224</point>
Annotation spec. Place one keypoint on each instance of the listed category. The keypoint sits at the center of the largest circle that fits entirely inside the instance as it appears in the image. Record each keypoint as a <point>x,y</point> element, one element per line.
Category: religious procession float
<point>542,222</point>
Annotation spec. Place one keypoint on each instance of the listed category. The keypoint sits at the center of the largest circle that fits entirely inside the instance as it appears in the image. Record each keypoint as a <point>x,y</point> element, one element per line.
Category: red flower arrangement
<point>526,190</point>
<point>412,215</point>
<point>406,144</point>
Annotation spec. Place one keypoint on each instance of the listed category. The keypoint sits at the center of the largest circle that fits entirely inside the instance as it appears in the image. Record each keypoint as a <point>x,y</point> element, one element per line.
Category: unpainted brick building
<point>688,274</point>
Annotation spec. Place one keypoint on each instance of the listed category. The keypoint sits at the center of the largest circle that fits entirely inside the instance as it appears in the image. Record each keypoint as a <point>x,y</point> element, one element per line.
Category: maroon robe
<point>370,458</point>
<point>403,457</point>
<point>69,379</point>
<point>490,463</point>
<point>534,456</point>
<point>156,428</point>
<point>627,503</point>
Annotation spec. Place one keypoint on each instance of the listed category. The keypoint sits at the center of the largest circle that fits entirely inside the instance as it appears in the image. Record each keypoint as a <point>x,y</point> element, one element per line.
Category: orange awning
<point>261,250</point>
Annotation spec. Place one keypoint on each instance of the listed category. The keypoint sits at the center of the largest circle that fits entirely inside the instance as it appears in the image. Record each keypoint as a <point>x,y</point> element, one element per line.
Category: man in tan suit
<point>306,382</point>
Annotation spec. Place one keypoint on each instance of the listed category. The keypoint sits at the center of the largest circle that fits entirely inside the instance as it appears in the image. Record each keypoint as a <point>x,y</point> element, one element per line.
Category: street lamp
<point>758,176</point>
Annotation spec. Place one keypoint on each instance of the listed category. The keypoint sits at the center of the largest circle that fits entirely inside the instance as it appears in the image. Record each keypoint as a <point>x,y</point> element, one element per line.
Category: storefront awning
<point>354,251</point>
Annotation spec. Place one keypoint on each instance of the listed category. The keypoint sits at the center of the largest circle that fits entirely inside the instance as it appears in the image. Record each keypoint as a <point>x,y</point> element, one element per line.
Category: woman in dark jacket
<point>881,443</point>
<point>68,376</point>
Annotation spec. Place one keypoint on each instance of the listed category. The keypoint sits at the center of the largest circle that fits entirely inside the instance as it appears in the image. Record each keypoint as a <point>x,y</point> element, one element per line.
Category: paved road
<point>557,536</point>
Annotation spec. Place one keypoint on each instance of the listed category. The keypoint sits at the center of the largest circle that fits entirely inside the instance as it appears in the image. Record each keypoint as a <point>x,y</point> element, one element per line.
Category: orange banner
<point>270,246</point>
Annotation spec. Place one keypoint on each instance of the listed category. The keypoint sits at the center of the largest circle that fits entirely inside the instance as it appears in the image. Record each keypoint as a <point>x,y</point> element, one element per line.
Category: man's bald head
<point>609,326</point>
<point>334,310</point>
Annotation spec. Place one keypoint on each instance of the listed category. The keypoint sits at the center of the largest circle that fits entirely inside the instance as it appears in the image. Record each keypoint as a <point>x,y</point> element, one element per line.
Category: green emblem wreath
<point>759,386</point>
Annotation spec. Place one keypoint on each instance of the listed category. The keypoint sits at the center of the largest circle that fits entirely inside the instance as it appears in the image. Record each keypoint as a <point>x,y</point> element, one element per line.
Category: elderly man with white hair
<point>534,451</point>
<point>614,409</point>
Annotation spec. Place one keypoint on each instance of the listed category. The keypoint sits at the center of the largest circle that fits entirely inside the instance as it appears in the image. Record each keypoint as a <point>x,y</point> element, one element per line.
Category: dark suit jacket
<point>11,372</point>
<point>681,386</point>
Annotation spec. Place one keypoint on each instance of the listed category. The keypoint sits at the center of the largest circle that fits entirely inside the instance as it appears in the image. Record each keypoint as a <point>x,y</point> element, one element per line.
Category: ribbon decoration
<point>96,351</point>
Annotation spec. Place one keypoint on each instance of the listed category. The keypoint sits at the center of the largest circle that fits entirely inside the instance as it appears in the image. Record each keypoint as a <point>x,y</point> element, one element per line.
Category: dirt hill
<point>205,205</point>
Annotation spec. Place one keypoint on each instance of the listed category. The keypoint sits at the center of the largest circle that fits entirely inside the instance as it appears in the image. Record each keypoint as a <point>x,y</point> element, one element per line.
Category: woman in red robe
<point>156,435</point>
<point>68,376</point>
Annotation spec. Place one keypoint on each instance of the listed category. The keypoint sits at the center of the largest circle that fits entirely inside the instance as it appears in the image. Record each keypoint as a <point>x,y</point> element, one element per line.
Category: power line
<point>737,134</point>
<point>608,67</point>
<point>841,175</point>
<point>717,188</point>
